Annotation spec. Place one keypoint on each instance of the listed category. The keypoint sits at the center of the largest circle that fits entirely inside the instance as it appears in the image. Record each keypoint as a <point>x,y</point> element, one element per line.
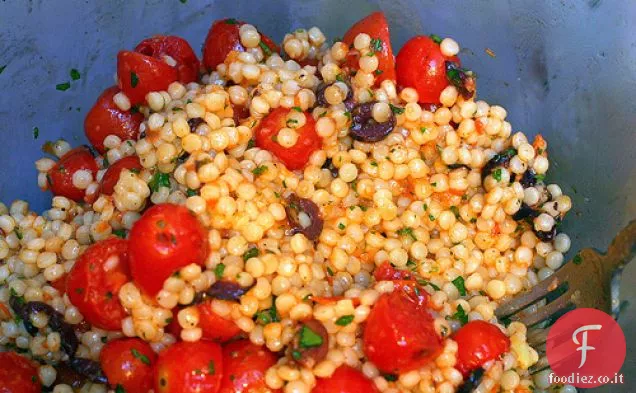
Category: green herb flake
<point>120,233</point>
<point>75,74</point>
<point>344,320</point>
<point>396,109</point>
<point>36,132</point>
<point>218,270</point>
<point>2,68</point>
<point>496,174</point>
<point>259,170</point>
<point>119,389</point>
<point>159,180</point>
<point>251,143</point>
<point>211,368</point>
<point>436,39</point>
<point>390,377</point>
<point>473,220</point>
<point>297,108</point>
<point>266,49</point>
<point>577,260</point>
<point>190,192</point>
<point>455,211</point>
<point>540,178</point>
<point>341,226</point>
<point>411,264</point>
<point>376,45</point>
<point>63,86</point>
<point>460,315</point>
<point>231,21</point>
<point>459,284</point>
<point>309,338</point>
<point>250,253</point>
<point>373,163</point>
<point>424,283</point>
<point>340,78</point>
<point>291,122</point>
<point>329,271</point>
<point>143,358</point>
<point>134,79</point>
<point>423,130</point>
<point>296,355</point>
<point>407,231</point>
<point>378,72</point>
<point>431,217</point>
<point>104,339</point>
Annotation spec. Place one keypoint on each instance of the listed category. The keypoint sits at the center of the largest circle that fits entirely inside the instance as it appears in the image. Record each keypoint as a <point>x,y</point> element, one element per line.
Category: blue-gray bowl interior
<point>565,69</point>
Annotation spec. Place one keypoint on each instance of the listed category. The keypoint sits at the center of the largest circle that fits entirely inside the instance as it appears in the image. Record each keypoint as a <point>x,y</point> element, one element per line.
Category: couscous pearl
<point>449,47</point>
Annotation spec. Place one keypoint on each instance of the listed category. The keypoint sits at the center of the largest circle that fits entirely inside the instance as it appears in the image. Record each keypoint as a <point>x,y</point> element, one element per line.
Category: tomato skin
<point>421,65</point>
<point>399,335</point>
<point>60,177</point>
<point>215,327</point>
<point>105,118</point>
<point>477,343</point>
<point>18,374</point>
<point>376,26</point>
<point>176,47</point>
<point>93,283</point>
<point>187,367</point>
<point>294,157</point>
<point>223,38</point>
<point>244,367</point>
<point>386,272</point>
<point>345,379</point>
<point>166,238</point>
<point>123,367</point>
<point>151,75</point>
<point>111,177</point>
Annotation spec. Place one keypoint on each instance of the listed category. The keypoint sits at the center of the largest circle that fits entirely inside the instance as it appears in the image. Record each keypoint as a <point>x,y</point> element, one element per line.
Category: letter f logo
<point>583,344</point>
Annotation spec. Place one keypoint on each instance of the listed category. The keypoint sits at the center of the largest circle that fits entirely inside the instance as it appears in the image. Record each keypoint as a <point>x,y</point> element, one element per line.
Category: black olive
<point>296,206</point>
<point>461,78</point>
<point>329,165</point>
<point>88,369</point>
<point>226,290</point>
<point>528,179</point>
<point>322,101</point>
<point>472,382</point>
<point>194,123</point>
<point>501,159</point>
<point>457,166</point>
<point>364,128</point>
<point>309,357</point>
<point>524,211</point>
<point>546,236</point>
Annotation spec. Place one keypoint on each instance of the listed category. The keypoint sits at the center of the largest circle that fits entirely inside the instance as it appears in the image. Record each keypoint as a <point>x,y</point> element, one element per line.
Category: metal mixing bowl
<point>566,69</point>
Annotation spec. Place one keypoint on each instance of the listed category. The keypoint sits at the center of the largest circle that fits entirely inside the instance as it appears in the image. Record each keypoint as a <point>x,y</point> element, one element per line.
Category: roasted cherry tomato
<point>105,118</point>
<point>345,380</point>
<point>18,374</point>
<point>139,74</point>
<point>128,362</point>
<point>60,177</point>
<point>376,26</point>
<point>60,284</point>
<point>224,38</point>
<point>399,335</point>
<point>214,326</point>
<point>477,343</point>
<point>294,157</point>
<point>421,65</point>
<point>94,281</point>
<point>244,367</point>
<point>111,177</point>
<point>175,47</point>
<point>187,367</point>
<point>166,238</point>
<point>386,272</point>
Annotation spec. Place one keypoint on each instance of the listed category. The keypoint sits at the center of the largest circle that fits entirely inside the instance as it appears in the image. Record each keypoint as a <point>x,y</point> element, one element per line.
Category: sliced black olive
<point>226,290</point>
<point>524,211</point>
<point>461,78</point>
<point>364,128</point>
<point>310,355</point>
<point>322,101</point>
<point>195,122</point>
<point>528,179</point>
<point>472,382</point>
<point>88,369</point>
<point>501,159</point>
<point>546,236</point>
<point>457,166</point>
<point>329,165</point>
<point>297,206</point>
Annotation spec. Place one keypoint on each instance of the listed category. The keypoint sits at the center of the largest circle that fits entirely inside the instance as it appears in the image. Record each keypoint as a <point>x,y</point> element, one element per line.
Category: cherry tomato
<point>139,74</point>
<point>94,281</point>
<point>345,380</point>
<point>18,374</point>
<point>166,238</point>
<point>128,362</point>
<point>376,26</point>
<point>60,177</point>
<point>214,326</point>
<point>477,343</point>
<point>175,47</point>
<point>187,367</point>
<point>294,157</point>
<point>60,284</point>
<point>105,118</point>
<point>111,177</point>
<point>421,65</point>
<point>399,334</point>
<point>224,38</point>
<point>244,367</point>
<point>386,272</point>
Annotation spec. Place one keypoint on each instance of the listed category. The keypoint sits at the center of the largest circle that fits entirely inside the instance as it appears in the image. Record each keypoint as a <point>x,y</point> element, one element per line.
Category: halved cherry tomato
<point>294,157</point>
<point>128,362</point>
<point>399,334</point>
<point>386,272</point>
<point>166,238</point>
<point>187,367</point>
<point>244,368</point>
<point>223,38</point>
<point>215,327</point>
<point>477,343</point>
<point>60,177</point>
<point>111,177</point>
<point>60,284</point>
<point>139,74</point>
<point>175,47</point>
<point>376,26</point>
<point>105,118</point>
<point>345,380</point>
<point>420,64</point>
<point>94,281</point>
<point>18,374</point>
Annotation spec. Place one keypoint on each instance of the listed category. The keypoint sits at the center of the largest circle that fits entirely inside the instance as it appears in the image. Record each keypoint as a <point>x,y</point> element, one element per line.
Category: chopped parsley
<point>540,177</point>
<point>344,320</point>
<point>424,283</point>
<point>436,39</point>
<point>373,163</point>
<point>297,108</point>
<point>36,132</point>
<point>376,44</point>
<point>341,226</point>
<point>390,377</point>
<point>259,170</point>
<point>63,86</point>
<point>407,231</point>
<point>296,355</point>
<point>460,315</point>
<point>120,233</point>
<point>459,284</point>
<point>396,109</point>
<point>143,358</point>
<point>75,75</point>
<point>329,271</point>
<point>496,174</point>
<point>431,217</point>
<point>211,368</point>
<point>455,211</point>
<point>134,79</point>
<point>231,21</point>
<point>159,180</point>
<point>20,299</point>
<point>348,114</point>
<point>218,270</point>
<point>577,259</point>
<point>378,72</point>
<point>266,49</point>
<point>423,130</point>
<point>190,192</point>
<point>340,78</point>
<point>250,253</point>
<point>309,338</point>
<point>251,143</point>
<point>119,389</point>
<point>269,315</point>
<point>291,121</point>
